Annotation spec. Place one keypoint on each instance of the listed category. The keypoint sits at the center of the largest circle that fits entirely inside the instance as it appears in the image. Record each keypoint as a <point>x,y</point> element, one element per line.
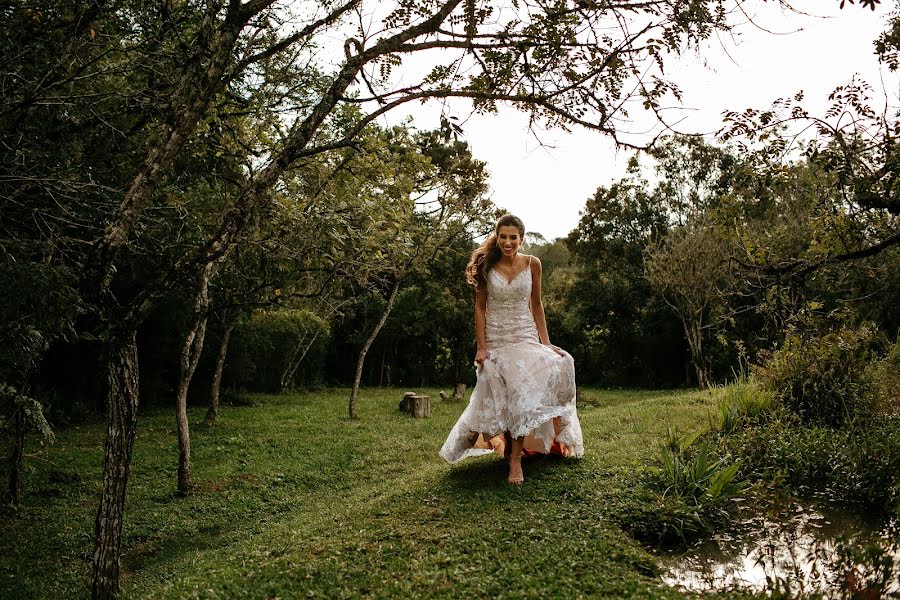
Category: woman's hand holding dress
<point>556,349</point>
<point>480,357</point>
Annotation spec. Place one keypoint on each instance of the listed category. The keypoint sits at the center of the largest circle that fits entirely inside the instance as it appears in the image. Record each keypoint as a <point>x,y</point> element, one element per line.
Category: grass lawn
<point>293,499</point>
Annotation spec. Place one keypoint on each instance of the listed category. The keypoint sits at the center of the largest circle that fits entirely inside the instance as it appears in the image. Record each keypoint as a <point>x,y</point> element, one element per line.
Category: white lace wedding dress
<point>524,387</point>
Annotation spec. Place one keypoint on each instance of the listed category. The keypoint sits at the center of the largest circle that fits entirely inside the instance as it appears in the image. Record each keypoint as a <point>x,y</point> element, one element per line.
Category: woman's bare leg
<point>515,461</point>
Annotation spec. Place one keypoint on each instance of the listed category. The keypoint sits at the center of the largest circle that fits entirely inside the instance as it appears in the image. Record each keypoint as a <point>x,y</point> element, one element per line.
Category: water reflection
<point>809,547</point>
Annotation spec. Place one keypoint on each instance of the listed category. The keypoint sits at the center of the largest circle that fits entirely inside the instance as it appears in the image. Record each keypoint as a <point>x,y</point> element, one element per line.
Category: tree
<point>689,267</point>
<point>451,188</point>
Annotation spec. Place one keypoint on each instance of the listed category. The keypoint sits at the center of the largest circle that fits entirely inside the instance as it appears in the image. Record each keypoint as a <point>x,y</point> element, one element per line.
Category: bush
<point>823,379</point>
<point>884,380</point>
<point>858,464</point>
<point>263,348</point>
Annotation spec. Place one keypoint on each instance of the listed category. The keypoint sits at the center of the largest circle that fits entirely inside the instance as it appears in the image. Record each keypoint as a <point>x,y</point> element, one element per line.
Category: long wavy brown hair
<point>488,253</point>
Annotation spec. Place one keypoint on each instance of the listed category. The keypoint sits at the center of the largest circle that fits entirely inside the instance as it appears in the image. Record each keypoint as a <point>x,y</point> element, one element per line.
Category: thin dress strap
<point>529,261</point>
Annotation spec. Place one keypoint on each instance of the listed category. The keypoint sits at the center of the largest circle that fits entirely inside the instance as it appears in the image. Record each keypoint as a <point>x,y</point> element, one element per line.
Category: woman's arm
<point>480,309</point>
<point>537,306</point>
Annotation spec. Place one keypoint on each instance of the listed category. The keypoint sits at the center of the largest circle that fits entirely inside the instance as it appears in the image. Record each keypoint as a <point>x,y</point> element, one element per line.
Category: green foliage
<point>601,307</point>
<point>827,432</point>
<point>741,403</point>
<point>821,378</point>
<point>689,472</point>
<point>38,306</point>
<point>690,494</point>
<point>264,346</point>
<point>659,520</point>
<point>10,401</point>
<point>857,464</point>
<point>884,380</point>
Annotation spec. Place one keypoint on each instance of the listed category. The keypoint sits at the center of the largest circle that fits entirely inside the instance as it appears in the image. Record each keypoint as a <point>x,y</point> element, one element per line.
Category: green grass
<point>293,499</point>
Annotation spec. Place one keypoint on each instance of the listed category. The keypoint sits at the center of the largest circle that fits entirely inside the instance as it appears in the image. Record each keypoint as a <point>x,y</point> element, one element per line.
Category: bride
<point>524,399</point>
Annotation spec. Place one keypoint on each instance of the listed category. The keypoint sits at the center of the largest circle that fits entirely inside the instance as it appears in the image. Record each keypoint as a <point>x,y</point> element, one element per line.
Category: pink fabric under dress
<point>524,387</point>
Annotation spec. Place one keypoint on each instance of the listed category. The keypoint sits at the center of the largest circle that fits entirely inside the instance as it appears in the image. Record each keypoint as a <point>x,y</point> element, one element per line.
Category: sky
<point>545,177</point>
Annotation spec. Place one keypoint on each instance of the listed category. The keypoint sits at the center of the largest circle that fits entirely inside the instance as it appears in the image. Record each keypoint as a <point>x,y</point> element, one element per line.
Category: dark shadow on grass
<point>492,472</point>
<point>143,553</point>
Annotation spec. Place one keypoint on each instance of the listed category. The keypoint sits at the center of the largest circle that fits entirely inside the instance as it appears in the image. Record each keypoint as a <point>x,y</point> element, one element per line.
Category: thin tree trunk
<point>15,459</point>
<point>354,393</point>
<point>190,356</point>
<point>296,361</point>
<point>212,413</point>
<point>695,342</point>
<point>121,428</point>
<point>289,367</point>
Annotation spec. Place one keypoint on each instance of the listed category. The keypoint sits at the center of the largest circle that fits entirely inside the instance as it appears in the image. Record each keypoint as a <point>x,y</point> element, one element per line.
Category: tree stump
<point>458,393</point>
<point>416,405</point>
<point>404,403</point>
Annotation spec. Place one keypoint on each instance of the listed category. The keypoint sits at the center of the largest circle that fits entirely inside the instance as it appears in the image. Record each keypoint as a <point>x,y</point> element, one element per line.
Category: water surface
<point>804,544</point>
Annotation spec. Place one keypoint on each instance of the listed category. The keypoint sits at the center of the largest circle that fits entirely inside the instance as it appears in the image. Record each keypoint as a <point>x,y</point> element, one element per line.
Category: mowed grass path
<point>293,499</point>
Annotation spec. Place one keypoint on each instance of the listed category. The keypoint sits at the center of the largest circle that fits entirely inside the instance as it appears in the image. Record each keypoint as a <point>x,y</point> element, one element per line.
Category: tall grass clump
<point>744,402</point>
<point>689,471</point>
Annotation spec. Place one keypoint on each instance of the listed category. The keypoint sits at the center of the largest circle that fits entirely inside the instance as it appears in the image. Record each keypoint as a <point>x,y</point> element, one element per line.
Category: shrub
<point>823,378</point>
<point>884,380</point>
<point>263,347</point>
<point>857,464</point>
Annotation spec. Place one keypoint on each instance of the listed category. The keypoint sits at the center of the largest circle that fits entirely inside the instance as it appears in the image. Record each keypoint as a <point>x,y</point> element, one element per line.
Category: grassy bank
<point>293,499</point>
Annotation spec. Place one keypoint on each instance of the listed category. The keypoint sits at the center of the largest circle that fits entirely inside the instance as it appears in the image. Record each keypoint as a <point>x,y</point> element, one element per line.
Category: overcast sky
<point>546,179</point>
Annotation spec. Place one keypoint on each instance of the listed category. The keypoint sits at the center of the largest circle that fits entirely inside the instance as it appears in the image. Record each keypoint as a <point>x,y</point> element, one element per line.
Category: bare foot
<point>516,476</point>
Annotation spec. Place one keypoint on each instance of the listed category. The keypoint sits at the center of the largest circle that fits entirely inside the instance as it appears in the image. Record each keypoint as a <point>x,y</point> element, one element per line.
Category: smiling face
<point>509,239</point>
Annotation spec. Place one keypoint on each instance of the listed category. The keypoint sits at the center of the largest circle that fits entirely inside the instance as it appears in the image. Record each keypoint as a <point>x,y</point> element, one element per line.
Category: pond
<point>802,545</point>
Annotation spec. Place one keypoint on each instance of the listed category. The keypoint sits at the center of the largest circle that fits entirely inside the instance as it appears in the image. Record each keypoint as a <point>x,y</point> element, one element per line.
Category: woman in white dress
<point>524,399</point>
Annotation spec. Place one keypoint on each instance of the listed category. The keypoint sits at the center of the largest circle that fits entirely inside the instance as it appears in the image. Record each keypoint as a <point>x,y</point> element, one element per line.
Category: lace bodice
<point>508,318</point>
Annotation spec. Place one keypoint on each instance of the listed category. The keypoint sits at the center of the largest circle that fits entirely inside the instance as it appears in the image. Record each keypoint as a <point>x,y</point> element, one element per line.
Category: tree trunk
<point>362,353</point>
<point>15,459</point>
<point>212,413</point>
<point>190,356</point>
<point>121,428</point>
<point>695,342</point>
